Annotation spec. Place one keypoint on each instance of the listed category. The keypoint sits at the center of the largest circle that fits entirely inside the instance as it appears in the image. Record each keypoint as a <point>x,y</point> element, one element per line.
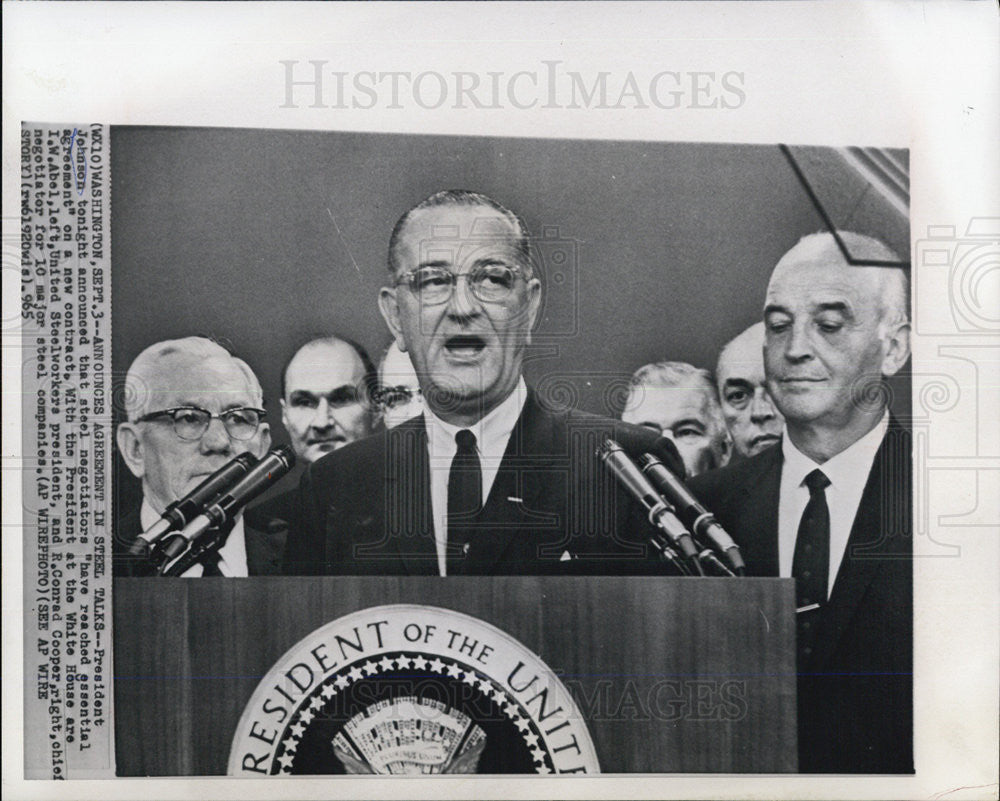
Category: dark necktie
<point>811,562</point>
<point>210,563</point>
<point>465,491</point>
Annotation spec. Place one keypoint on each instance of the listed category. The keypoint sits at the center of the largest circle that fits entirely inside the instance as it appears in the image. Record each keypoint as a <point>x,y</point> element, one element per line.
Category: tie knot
<point>466,441</point>
<point>817,481</point>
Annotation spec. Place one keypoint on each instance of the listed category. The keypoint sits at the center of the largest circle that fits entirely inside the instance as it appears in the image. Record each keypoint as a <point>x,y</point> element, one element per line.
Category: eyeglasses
<point>490,283</point>
<point>391,397</point>
<point>191,423</point>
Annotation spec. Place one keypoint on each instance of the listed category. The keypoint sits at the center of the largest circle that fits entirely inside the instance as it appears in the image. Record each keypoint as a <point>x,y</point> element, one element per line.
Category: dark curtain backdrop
<point>648,251</point>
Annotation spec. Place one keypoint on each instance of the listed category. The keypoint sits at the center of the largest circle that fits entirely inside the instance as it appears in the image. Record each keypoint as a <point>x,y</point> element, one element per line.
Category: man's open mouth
<point>464,345</point>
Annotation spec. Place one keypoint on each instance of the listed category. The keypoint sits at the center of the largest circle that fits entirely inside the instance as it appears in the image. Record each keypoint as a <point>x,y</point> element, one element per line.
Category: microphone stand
<point>668,554</point>
<point>212,540</point>
<point>709,560</point>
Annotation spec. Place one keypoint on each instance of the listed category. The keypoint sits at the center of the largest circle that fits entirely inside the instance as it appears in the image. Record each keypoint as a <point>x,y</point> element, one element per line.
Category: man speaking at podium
<point>486,481</point>
<point>830,505</point>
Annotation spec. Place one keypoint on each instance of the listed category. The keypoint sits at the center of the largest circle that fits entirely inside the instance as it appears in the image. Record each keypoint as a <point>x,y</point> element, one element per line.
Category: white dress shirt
<point>848,473</point>
<point>232,555</point>
<point>492,435</point>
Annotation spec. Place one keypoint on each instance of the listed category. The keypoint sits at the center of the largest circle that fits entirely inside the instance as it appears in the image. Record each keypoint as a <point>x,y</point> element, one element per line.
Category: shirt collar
<point>492,432</point>
<point>147,514</point>
<point>843,469</point>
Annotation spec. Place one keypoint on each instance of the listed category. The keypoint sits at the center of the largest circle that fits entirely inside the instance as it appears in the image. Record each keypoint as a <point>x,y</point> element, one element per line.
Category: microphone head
<point>284,454</point>
<point>647,460</point>
<point>246,459</point>
<point>609,448</point>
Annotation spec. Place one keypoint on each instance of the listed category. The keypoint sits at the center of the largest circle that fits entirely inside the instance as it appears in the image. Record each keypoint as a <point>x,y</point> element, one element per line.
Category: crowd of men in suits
<point>444,461</point>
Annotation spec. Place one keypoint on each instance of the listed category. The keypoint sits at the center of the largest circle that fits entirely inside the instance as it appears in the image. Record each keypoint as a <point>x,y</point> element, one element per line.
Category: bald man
<point>753,422</point>
<point>191,407</point>
<point>325,404</point>
<point>325,400</point>
<point>830,505</point>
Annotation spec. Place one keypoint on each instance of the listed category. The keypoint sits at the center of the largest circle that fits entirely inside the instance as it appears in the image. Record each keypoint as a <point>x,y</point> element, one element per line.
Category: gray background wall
<point>263,238</point>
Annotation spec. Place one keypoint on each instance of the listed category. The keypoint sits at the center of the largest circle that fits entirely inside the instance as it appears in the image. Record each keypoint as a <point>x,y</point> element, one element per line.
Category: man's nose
<point>798,345</point>
<point>462,302</point>
<point>761,407</point>
<point>216,438</point>
<point>323,416</point>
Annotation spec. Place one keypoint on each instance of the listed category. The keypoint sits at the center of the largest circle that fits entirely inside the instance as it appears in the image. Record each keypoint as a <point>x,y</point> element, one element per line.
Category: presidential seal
<point>409,689</point>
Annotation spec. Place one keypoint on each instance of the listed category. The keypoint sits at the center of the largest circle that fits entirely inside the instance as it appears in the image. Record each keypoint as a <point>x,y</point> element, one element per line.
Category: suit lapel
<point>408,517</point>
<point>880,517</point>
<point>264,549</point>
<point>505,520</point>
<point>757,502</point>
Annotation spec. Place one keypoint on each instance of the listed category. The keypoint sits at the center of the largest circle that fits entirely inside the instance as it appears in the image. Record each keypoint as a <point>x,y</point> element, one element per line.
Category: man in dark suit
<point>487,481</point>
<point>191,407</point>
<point>326,402</point>
<point>830,504</point>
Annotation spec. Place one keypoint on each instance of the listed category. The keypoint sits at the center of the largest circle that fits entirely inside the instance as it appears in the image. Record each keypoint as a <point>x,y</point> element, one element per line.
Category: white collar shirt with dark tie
<point>848,473</point>
<point>492,435</point>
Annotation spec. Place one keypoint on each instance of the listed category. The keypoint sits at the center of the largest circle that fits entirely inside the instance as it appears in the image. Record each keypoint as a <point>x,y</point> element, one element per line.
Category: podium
<point>687,675</point>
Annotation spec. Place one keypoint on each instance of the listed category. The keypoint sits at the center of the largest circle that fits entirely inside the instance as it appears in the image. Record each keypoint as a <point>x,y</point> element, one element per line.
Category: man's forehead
<point>185,376</point>
<point>440,225</point>
<point>398,365</point>
<point>823,281</point>
<point>743,358</point>
<point>323,367</point>
<point>671,403</point>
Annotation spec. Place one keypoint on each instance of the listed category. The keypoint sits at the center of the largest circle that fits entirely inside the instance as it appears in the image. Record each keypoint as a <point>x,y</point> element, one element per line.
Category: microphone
<point>181,512</point>
<point>697,517</point>
<point>226,506</point>
<point>660,514</point>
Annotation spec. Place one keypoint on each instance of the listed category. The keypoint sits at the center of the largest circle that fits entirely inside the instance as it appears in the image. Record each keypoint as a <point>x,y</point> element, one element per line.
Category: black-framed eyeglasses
<point>490,283</point>
<point>391,397</point>
<point>191,423</point>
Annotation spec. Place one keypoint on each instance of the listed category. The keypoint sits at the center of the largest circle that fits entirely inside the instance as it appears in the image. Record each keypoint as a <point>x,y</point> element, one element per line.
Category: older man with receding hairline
<point>191,407</point>
<point>830,505</point>
<point>486,480</point>
<point>678,401</point>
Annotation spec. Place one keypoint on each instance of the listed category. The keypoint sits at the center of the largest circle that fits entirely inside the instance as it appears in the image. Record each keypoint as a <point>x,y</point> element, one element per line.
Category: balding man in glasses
<point>487,480</point>
<point>191,407</point>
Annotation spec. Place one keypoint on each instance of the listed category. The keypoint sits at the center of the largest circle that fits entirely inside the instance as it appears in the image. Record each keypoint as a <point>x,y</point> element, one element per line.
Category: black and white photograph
<point>529,455</point>
<point>552,378</point>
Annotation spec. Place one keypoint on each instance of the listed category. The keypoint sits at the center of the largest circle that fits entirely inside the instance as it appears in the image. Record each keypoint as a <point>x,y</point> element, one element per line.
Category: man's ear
<point>131,448</point>
<point>897,348</point>
<point>389,306</point>
<point>533,305</point>
<point>265,439</point>
<point>284,412</point>
<point>725,448</point>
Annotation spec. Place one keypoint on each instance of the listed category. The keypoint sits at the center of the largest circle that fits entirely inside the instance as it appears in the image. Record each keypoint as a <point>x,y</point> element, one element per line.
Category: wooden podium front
<point>672,674</point>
